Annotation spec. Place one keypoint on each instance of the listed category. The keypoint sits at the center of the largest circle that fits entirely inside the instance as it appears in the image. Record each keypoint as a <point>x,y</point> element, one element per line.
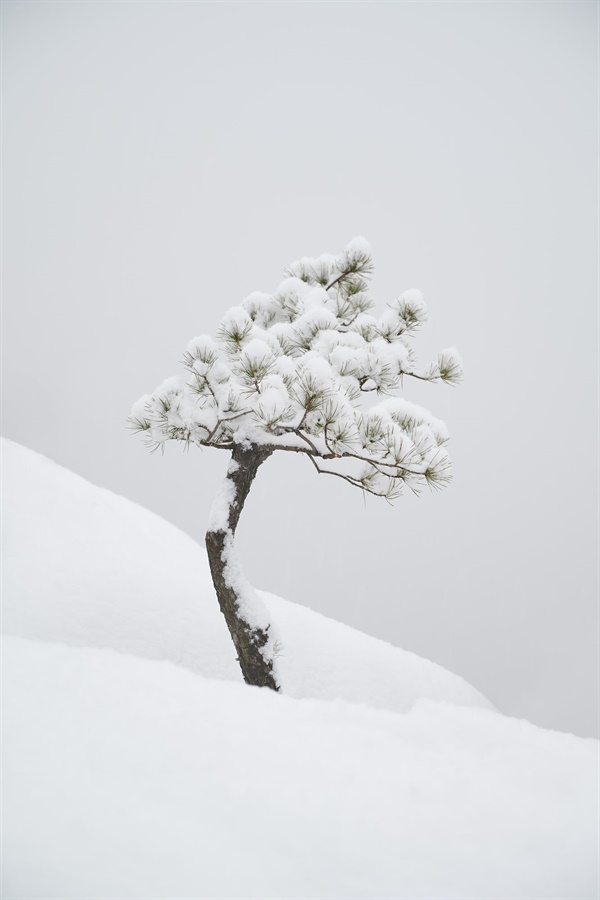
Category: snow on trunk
<point>246,615</point>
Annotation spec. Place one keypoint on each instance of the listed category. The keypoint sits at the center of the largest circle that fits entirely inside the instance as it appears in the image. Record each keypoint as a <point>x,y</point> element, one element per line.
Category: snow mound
<point>85,567</point>
<point>130,778</point>
<point>154,773</point>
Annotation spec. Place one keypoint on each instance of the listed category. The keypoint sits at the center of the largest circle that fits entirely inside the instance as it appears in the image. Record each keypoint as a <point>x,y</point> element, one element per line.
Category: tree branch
<point>354,481</point>
<point>220,422</point>
<point>335,280</point>
<point>308,441</point>
<point>420,377</point>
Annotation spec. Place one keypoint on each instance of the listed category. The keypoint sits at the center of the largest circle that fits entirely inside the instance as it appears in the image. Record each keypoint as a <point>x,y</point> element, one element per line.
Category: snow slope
<point>134,778</point>
<point>86,567</point>
<point>153,772</point>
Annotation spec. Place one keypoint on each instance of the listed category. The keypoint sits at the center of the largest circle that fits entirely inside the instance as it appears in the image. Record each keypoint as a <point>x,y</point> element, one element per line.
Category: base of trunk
<point>249,641</point>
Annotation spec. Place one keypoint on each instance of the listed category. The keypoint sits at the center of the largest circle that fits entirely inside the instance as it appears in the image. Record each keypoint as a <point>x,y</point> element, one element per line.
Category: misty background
<point>161,160</point>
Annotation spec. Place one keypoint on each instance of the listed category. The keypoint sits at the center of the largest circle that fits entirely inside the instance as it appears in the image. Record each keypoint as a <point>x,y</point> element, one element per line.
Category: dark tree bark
<point>250,641</point>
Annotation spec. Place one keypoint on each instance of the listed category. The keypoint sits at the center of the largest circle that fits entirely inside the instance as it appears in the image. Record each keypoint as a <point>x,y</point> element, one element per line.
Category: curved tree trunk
<point>244,612</point>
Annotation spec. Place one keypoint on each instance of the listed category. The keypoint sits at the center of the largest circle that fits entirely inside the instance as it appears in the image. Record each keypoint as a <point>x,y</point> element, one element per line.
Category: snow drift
<point>84,566</point>
<point>153,772</point>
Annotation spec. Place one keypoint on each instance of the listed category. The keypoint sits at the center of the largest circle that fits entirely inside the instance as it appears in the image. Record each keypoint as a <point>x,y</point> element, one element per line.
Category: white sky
<point>163,159</point>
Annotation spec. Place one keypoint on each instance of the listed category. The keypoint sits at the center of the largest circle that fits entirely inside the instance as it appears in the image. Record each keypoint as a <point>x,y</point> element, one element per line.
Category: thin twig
<point>354,481</point>
<point>335,281</point>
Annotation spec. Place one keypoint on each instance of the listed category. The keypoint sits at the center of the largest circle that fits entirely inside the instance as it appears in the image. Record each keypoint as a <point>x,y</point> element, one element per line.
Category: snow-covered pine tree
<point>293,371</point>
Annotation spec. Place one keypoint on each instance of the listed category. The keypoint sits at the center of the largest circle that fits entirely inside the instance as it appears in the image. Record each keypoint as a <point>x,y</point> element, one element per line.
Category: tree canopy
<point>294,371</point>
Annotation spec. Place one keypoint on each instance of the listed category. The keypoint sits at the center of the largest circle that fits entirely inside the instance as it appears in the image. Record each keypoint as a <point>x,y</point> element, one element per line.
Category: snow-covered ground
<point>138,765</point>
<point>86,567</point>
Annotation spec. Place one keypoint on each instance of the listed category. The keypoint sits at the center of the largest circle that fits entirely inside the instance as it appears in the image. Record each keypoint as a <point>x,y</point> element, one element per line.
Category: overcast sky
<point>164,159</point>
